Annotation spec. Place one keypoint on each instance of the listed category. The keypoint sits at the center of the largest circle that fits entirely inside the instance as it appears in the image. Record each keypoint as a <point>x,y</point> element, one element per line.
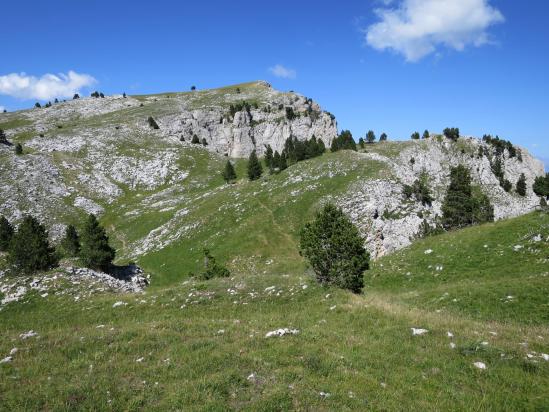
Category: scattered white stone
<point>140,359</point>
<point>44,295</point>
<point>480,365</point>
<point>119,303</point>
<point>325,395</point>
<point>270,289</point>
<point>29,334</point>
<point>449,334</point>
<point>452,345</point>
<point>333,307</point>
<point>304,287</point>
<point>281,332</point>
<point>428,251</point>
<point>517,247</point>
<point>484,343</point>
<point>252,377</point>
<point>6,359</point>
<point>418,331</point>
<point>13,351</point>
<point>545,356</point>
<point>221,331</point>
<point>100,326</point>
<point>537,238</point>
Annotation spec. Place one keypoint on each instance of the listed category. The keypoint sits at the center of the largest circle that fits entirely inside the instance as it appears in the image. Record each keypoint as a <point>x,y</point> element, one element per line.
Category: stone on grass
<point>418,331</point>
<point>281,332</point>
<point>479,365</point>
<point>7,359</point>
<point>29,334</point>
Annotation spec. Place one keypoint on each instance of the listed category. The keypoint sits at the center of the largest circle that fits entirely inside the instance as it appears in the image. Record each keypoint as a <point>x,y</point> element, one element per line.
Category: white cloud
<point>417,27</point>
<point>46,87</point>
<point>2,109</point>
<point>283,72</point>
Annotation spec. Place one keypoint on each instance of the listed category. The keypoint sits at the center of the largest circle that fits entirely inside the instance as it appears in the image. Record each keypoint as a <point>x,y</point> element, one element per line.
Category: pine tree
<point>96,253</point>
<point>195,139</point>
<point>76,96</point>
<point>383,137</point>
<point>212,269</point>
<point>29,249</point>
<point>370,136</point>
<point>321,147</point>
<point>229,174</point>
<point>463,206</point>
<point>521,185</point>
<point>6,234</point>
<point>415,136</point>
<point>254,167</point>
<point>451,133</point>
<point>361,142</point>
<point>269,157</point>
<point>335,250</point>
<point>283,165</point>
<point>457,207</point>
<point>334,147</point>
<point>276,161</point>
<point>425,134</point>
<point>18,149</point>
<point>204,142</point>
<point>70,244</point>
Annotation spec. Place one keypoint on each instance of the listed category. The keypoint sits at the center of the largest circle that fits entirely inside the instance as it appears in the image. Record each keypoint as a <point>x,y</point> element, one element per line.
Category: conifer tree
<point>462,206</point>
<point>70,244</point>
<point>254,167</point>
<point>415,136</point>
<point>18,149</point>
<point>383,137</point>
<point>283,165</point>
<point>29,249</point>
<point>195,139</point>
<point>6,233</point>
<point>321,147</point>
<point>229,174</point>
<point>335,250</point>
<point>521,185</point>
<point>361,142</point>
<point>276,161</point>
<point>269,157</point>
<point>541,185</point>
<point>370,136</point>
<point>96,253</point>
<point>425,134</point>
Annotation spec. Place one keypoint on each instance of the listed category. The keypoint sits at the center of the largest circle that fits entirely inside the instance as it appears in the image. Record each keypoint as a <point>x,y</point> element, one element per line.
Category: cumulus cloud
<point>47,87</point>
<point>415,28</point>
<point>283,72</point>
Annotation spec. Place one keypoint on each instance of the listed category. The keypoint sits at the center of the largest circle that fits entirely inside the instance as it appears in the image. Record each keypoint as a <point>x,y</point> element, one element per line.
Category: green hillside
<point>202,346</point>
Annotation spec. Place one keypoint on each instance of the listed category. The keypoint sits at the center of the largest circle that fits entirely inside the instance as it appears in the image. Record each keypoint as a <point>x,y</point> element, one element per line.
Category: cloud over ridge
<point>416,28</point>
<point>279,70</point>
<point>46,87</point>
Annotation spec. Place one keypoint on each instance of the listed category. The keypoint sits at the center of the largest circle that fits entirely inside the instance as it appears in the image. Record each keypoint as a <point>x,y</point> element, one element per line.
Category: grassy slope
<point>357,348</point>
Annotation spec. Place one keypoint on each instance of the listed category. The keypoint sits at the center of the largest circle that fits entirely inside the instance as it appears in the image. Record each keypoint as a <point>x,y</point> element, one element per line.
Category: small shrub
<point>152,123</point>
<point>18,149</point>
<point>195,139</point>
<point>212,269</point>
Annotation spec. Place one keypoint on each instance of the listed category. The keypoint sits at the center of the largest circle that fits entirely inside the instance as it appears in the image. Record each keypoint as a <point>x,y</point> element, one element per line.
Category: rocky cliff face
<point>389,222</point>
<point>270,119</point>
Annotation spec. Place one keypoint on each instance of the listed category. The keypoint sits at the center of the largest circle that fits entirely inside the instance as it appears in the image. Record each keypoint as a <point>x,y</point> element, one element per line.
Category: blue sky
<point>393,66</point>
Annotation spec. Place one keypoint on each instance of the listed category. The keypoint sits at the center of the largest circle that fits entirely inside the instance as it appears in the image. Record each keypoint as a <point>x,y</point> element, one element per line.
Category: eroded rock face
<point>247,130</point>
<point>389,222</point>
